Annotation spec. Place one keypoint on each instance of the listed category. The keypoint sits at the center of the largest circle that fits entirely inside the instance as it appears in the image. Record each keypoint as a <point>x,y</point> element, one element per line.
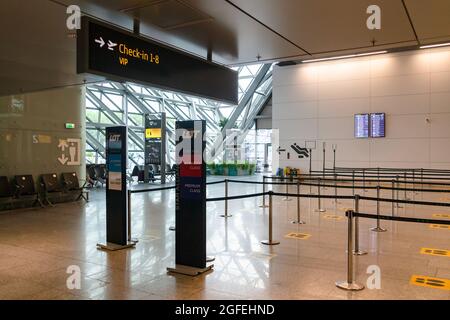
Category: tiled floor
<point>37,246</point>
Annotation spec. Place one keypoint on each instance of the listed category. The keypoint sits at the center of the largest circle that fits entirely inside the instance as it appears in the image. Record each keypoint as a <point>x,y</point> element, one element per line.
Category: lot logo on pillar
<point>73,21</point>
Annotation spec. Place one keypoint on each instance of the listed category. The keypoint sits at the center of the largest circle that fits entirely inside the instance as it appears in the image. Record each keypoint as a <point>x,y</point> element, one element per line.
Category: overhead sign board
<point>119,55</point>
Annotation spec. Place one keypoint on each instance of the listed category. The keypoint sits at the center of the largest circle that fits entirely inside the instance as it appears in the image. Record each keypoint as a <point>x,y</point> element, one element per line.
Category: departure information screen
<point>377,125</point>
<point>362,125</point>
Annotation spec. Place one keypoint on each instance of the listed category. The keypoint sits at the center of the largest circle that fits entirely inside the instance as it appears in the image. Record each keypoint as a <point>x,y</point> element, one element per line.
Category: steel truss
<point>112,103</point>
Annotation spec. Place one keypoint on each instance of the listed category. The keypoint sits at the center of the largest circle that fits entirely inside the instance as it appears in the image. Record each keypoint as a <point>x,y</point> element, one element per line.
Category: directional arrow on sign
<point>279,150</point>
<point>101,42</point>
<point>111,45</point>
<point>63,159</point>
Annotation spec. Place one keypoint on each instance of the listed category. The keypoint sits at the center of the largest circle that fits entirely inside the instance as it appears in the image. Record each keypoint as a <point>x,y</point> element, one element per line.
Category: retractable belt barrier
<point>352,215</point>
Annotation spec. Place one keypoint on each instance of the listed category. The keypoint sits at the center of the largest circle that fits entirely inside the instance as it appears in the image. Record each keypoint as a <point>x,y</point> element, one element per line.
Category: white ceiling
<point>37,52</point>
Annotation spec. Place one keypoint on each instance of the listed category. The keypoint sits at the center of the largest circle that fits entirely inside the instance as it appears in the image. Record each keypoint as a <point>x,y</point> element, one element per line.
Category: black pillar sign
<point>116,190</point>
<point>190,219</point>
<point>155,143</point>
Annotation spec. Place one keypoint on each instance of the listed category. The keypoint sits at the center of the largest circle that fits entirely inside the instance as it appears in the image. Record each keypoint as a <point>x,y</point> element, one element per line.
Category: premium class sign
<point>119,55</point>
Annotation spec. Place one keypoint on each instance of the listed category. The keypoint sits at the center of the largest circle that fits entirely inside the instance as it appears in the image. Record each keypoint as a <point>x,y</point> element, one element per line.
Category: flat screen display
<point>377,125</point>
<point>362,125</point>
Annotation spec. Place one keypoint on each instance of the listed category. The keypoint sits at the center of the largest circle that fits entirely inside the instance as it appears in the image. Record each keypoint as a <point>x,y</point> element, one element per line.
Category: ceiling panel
<point>323,25</point>
<point>37,53</point>
<point>431,19</point>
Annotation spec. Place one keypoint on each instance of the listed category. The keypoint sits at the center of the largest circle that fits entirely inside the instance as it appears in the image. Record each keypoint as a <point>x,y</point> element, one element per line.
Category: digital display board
<point>362,125</point>
<point>377,125</point>
<point>119,55</point>
<point>153,140</point>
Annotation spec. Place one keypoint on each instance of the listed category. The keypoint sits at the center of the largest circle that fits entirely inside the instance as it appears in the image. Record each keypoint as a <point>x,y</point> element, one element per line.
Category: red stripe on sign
<point>190,170</point>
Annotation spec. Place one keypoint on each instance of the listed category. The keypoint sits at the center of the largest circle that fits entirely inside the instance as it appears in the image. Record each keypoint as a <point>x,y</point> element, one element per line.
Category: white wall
<point>317,101</point>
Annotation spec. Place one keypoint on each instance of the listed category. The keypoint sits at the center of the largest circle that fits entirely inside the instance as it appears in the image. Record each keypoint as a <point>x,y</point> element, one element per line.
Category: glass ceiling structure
<point>112,103</point>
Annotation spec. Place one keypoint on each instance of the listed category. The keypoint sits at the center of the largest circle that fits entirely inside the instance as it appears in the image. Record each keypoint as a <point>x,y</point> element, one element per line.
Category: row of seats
<point>154,171</point>
<point>95,175</point>
<point>22,189</point>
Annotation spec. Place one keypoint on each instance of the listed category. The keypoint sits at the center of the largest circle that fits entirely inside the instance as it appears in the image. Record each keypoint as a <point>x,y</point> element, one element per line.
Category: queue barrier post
<point>319,198</point>
<point>287,191</point>
<point>350,284</point>
<point>357,251</point>
<point>270,242</point>
<point>299,220</point>
<point>393,198</point>
<point>398,195</point>
<point>226,215</point>
<point>353,181</point>
<point>378,228</point>
<point>130,239</point>
<point>263,205</point>
<point>405,185</point>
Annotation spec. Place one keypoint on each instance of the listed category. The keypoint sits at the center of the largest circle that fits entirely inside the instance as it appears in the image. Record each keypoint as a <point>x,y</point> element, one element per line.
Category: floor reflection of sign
<point>70,152</point>
<point>115,172</point>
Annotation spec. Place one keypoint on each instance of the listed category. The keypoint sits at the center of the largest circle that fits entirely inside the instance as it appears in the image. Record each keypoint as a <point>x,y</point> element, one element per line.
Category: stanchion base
<point>190,271</point>
<point>226,215</point>
<point>378,229</point>
<point>114,247</point>
<point>210,258</point>
<point>298,222</point>
<point>286,199</point>
<point>264,206</point>
<point>344,285</point>
<point>270,243</point>
<point>172,228</point>
<point>359,253</point>
<point>399,207</point>
<point>320,210</point>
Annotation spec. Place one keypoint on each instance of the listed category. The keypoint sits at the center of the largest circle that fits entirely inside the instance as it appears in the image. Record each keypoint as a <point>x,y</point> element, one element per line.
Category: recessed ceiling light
<point>346,56</point>
<point>435,45</point>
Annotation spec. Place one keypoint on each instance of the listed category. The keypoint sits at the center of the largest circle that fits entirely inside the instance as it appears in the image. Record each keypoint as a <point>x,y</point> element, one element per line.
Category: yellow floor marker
<point>435,252</point>
<point>333,217</point>
<point>441,215</point>
<point>429,282</point>
<point>298,236</point>
<point>440,226</point>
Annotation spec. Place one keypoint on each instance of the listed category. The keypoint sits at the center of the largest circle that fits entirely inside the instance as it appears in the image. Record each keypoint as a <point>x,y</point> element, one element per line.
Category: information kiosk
<point>116,190</point>
<point>190,217</point>
<point>155,144</point>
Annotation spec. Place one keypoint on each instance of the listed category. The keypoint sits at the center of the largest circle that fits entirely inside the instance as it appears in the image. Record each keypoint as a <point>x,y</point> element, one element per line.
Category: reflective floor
<point>38,245</point>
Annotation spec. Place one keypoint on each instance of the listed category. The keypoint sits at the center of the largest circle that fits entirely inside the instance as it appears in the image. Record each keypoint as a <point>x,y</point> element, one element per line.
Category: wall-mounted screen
<point>377,125</point>
<point>362,125</point>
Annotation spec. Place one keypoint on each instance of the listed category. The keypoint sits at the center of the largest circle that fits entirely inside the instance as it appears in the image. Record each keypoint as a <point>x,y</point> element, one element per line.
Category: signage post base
<point>190,271</point>
<point>115,247</point>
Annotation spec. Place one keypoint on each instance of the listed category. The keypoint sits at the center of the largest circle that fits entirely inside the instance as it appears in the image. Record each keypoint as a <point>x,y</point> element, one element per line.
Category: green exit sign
<point>70,125</point>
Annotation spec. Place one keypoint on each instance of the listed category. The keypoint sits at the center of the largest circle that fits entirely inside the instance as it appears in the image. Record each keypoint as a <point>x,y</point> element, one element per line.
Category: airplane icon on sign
<point>101,43</point>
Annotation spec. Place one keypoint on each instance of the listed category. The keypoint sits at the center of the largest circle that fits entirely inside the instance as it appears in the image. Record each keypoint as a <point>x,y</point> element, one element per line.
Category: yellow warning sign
<point>435,252</point>
<point>429,282</point>
<point>333,217</point>
<point>298,236</point>
<point>439,226</point>
<point>153,133</point>
<point>441,215</point>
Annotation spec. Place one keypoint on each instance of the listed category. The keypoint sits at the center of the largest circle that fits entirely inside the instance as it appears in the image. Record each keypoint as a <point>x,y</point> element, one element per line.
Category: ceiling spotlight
<point>435,45</point>
<point>346,56</point>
